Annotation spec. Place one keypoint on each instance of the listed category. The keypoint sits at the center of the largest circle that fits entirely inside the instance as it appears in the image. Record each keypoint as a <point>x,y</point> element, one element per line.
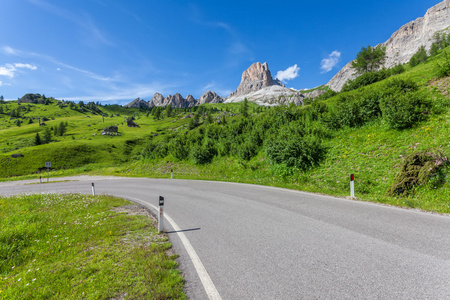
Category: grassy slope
<point>372,152</point>
<point>77,247</point>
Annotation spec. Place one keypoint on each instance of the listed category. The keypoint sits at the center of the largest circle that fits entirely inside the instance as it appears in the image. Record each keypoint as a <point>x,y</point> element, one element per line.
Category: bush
<point>364,80</point>
<point>419,57</point>
<point>417,169</point>
<point>247,150</point>
<point>178,147</point>
<point>203,154</point>
<point>295,151</point>
<point>403,110</point>
<point>444,69</point>
<point>153,150</point>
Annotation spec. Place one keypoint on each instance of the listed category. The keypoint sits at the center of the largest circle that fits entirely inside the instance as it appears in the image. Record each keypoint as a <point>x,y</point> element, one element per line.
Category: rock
<point>210,97</point>
<point>16,155</point>
<point>157,100</point>
<point>137,103</point>
<point>30,98</point>
<point>255,78</point>
<point>405,42</point>
<point>190,101</point>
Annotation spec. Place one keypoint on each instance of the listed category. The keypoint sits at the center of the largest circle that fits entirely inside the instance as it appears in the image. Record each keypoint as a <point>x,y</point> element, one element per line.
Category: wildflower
<point>19,279</point>
<point>34,279</point>
<point>13,267</point>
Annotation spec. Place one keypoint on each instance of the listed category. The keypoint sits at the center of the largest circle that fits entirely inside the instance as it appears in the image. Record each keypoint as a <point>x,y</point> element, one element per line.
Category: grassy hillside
<point>83,247</point>
<point>368,131</point>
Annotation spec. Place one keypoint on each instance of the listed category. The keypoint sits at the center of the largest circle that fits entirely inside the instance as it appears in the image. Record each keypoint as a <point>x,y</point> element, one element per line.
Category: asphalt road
<point>259,242</point>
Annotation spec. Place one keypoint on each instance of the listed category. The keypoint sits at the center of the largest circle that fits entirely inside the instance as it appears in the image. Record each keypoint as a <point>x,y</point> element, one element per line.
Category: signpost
<point>161,214</point>
<point>48,165</point>
<point>352,186</point>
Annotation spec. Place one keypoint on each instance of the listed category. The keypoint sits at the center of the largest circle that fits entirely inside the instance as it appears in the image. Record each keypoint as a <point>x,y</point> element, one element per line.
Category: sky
<point>113,51</point>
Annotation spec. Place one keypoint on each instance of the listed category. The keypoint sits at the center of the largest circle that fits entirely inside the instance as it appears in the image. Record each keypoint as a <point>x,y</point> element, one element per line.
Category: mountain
<point>405,42</point>
<point>255,78</point>
<point>257,85</point>
<point>177,101</point>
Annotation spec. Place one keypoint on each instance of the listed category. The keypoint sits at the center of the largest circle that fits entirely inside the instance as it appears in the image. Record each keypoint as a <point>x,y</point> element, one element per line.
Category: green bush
<point>419,57</point>
<point>178,147</point>
<point>247,150</point>
<point>295,151</point>
<point>444,69</point>
<point>203,154</point>
<point>403,110</point>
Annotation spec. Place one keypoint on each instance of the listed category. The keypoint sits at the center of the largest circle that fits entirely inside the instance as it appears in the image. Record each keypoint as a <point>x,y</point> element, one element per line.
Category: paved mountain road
<point>267,243</point>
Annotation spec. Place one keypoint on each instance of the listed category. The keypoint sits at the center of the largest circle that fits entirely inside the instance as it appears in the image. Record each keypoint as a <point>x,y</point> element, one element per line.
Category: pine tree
<point>47,135</point>
<point>37,139</point>
<point>369,59</point>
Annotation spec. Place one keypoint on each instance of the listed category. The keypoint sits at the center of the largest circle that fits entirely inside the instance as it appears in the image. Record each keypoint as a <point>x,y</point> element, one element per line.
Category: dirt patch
<point>134,209</point>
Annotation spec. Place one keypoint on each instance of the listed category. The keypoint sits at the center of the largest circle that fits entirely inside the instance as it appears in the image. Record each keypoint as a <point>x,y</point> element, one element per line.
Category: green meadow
<point>83,247</point>
<point>368,130</point>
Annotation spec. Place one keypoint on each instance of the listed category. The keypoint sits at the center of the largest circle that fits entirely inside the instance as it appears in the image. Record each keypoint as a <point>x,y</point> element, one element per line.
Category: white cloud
<point>329,63</point>
<point>10,70</point>
<point>25,66</point>
<point>7,70</point>
<point>288,74</point>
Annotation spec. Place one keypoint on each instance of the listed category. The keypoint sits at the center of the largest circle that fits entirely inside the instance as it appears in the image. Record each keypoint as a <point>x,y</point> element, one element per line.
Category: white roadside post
<point>48,165</point>
<point>171,173</point>
<point>352,186</point>
<point>161,214</point>
<point>93,189</point>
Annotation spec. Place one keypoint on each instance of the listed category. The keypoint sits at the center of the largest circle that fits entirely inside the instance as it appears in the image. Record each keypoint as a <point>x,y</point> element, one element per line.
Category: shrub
<point>203,154</point>
<point>153,150</point>
<point>403,110</point>
<point>178,147</point>
<point>364,80</point>
<point>419,57</point>
<point>444,68</point>
<point>295,151</point>
<point>417,169</point>
<point>247,150</point>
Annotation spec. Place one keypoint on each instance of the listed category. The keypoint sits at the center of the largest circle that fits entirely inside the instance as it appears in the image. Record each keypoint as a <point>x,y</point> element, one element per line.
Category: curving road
<point>241,241</point>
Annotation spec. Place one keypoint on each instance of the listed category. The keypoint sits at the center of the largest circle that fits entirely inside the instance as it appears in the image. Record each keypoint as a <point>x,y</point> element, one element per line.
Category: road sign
<point>161,214</point>
<point>48,164</point>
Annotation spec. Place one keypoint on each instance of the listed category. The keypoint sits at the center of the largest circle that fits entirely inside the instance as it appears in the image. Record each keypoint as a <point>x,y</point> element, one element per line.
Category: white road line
<point>208,285</point>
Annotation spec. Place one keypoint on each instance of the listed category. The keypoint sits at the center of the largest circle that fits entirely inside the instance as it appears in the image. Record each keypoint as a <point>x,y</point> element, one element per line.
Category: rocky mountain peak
<point>256,77</point>
<point>210,97</point>
<point>405,42</point>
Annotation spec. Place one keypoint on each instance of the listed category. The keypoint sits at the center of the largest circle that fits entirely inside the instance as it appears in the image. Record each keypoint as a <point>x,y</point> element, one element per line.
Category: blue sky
<point>114,51</point>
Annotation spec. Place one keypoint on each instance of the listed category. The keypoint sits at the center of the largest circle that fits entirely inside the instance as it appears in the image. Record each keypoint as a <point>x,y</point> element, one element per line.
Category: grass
<point>372,151</point>
<point>78,247</point>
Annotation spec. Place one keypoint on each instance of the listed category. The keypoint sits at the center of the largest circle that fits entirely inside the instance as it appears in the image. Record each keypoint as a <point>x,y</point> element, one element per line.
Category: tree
<point>369,59</point>
<point>169,110</point>
<point>47,135</point>
<point>419,57</point>
<point>244,108</point>
<point>37,139</point>
<point>1,98</point>
<point>61,129</point>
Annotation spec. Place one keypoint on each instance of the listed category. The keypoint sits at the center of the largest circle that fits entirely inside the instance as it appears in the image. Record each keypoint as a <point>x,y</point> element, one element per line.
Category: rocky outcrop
<point>190,101</point>
<point>157,100</point>
<point>137,103</point>
<point>276,95</point>
<point>210,97</point>
<point>405,42</point>
<point>31,98</point>
<point>255,78</point>
<point>177,101</point>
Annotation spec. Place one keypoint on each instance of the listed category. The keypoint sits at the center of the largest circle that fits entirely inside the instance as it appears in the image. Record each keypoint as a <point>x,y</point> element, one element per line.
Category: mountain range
<point>257,84</point>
